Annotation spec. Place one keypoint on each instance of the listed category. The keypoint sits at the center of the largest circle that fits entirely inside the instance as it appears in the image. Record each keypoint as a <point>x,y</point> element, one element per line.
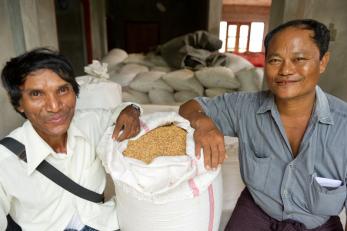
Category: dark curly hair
<point>17,69</point>
<point>321,35</point>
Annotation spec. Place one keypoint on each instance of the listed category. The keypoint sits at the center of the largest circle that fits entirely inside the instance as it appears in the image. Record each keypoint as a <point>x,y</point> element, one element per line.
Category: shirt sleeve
<point>4,207</point>
<point>223,110</point>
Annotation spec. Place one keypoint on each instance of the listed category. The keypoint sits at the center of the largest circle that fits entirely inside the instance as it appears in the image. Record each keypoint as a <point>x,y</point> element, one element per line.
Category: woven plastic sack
<point>170,193</point>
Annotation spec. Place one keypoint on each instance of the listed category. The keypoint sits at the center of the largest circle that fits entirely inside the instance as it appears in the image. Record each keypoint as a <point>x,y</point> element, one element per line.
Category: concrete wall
<point>214,16</point>
<point>99,35</point>
<point>25,24</point>
<point>332,13</point>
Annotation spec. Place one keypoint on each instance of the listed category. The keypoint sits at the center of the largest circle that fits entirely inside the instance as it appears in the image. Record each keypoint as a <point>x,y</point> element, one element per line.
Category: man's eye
<point>63,89</point>
<point>274,61</point>
<point>35,93</point>
<point>300,59</point>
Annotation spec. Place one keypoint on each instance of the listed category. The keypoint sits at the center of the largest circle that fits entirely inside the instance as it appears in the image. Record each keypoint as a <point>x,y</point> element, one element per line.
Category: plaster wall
<point>214,16</point>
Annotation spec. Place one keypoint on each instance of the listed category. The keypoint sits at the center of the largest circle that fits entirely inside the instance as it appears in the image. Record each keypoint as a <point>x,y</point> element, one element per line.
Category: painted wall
<point>332,13</point>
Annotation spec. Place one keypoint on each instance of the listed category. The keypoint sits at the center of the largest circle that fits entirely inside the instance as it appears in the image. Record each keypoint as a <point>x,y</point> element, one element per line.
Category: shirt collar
<point>268,104</point>
<point>37,149</point>
<point>322,109</point>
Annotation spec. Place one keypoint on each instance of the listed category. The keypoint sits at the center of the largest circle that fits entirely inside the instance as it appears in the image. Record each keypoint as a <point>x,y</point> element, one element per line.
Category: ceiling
<point>248,2</point>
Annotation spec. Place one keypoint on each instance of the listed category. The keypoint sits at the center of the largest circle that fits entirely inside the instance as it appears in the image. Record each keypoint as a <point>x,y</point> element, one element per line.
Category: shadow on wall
<point>10,119</point>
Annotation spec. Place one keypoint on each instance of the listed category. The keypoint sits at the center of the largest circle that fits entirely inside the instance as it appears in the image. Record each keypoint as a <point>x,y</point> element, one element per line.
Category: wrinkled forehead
<point>292,32</point>
<point>293,39</point>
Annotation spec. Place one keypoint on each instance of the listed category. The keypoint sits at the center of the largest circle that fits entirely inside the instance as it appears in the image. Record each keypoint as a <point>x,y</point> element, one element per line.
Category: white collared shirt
<point>37,203</point>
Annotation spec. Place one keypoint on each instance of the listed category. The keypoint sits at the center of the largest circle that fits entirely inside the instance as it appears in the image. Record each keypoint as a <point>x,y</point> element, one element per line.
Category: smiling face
<point>48,102</point>
<point>293,66</point>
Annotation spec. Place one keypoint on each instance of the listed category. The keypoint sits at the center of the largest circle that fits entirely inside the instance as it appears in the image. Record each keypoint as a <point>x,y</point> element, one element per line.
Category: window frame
<point>237,37</point>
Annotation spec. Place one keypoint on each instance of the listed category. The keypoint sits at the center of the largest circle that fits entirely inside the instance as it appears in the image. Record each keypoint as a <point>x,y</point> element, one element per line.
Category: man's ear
<point>20,108</point>
<point>324,62</point>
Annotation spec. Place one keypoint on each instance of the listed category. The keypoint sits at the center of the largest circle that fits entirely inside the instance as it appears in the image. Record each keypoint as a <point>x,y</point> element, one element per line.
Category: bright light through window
<point>256,38</point>
<point>232,31</point>
<point>223,34</point>
<point>243,38</point>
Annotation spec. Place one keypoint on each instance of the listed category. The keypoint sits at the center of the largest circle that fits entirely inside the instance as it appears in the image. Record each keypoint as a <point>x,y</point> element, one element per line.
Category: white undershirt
<point>75,223</point>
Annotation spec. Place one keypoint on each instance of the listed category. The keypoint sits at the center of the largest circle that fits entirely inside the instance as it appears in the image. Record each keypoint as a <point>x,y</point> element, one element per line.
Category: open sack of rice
<point>160,184</point>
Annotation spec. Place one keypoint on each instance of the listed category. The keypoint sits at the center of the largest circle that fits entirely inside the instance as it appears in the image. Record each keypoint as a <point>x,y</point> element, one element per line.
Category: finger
<point>214,156</point>
<point>136,128</point>
<point>116,131</point>
<point>133,131</point>
<point>197,150</point>
<point>207,156</point>
<point>222,153</point>
<point>124,134</point>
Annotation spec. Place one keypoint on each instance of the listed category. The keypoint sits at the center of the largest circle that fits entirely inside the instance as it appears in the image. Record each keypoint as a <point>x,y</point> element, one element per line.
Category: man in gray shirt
<point>293,152</point>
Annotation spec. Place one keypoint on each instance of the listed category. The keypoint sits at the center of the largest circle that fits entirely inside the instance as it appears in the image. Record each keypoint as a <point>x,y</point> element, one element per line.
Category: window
<point>241,37</point>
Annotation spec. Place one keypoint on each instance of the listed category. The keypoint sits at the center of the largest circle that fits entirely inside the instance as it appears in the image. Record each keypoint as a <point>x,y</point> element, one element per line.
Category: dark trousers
<point>248,216</point>
<point>11,225</point>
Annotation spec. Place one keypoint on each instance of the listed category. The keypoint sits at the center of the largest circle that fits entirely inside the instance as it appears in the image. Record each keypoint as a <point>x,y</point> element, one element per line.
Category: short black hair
<point>17,69</point>
<point>321,35</point>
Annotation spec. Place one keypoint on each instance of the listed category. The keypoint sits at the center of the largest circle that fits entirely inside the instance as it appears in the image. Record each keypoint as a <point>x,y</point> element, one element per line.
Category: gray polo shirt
<point>284,187</point>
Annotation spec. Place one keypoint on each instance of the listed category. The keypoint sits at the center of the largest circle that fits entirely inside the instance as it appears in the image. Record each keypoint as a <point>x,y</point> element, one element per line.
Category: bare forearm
<point>206,135</point>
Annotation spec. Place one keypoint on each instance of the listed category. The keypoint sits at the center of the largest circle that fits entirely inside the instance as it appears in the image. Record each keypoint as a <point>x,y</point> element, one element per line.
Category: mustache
<point>286,79</point>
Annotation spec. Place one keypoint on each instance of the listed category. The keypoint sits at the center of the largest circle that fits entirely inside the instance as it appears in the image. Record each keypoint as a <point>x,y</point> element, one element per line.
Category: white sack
<point>183,96</point>
<point>260,73</point>
<point>158,96</point>
<point>129,95</point>
<point>127,73</point>
<point>251,80</point>
<point>98,93</point>
<point>199,213</point>
<point>147,81</point>
<point>212,92</point>
<point>114,57</point>
<point>156,60</point>
<point>160,68</point>
<point>238,63</point>
<point>138,58</point>
<point>213,77</point>
<point>170,193</point>
<point>97,69</point>
<point>183,80</point>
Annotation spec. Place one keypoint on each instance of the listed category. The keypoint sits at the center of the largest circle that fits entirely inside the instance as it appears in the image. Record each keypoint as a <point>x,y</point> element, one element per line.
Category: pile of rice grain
<point>168,140</point>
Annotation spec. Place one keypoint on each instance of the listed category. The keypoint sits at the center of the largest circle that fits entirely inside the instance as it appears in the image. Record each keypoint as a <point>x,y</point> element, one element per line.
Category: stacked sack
<point>169,192</point>
<point>95,86</point>
<point>147,79</point>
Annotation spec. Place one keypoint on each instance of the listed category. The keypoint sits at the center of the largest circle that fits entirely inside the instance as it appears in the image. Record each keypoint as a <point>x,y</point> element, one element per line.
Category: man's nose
<point>53,103</point>
<point>286,68</point>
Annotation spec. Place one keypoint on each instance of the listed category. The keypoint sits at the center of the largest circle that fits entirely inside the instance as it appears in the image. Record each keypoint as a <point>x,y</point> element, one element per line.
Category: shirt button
<point>285,193</point>
<point>291,165</point>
